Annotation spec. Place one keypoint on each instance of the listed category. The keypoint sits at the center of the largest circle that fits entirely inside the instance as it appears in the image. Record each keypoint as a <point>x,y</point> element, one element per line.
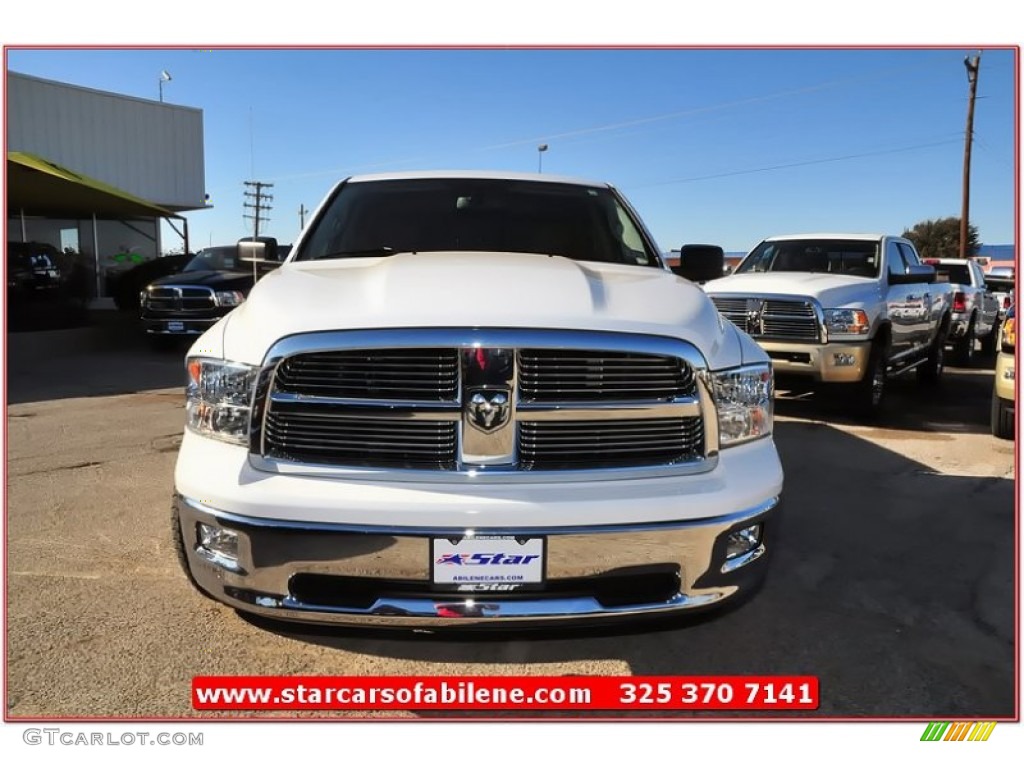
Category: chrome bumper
<point>836,362</point>
<point>189,327</point>
<point>381,576</point>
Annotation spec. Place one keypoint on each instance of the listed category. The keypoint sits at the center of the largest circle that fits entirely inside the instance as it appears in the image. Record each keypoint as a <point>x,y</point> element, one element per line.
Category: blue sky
<point>711,145</point>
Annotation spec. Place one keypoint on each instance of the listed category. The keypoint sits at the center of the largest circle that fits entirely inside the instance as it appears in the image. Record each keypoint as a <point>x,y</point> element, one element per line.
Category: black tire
<point>988,342</point>
<point>1002,418</point>
<point>178,544</point>
<point>965,346</point>
<point>868,394</point>
<point>929,373</point>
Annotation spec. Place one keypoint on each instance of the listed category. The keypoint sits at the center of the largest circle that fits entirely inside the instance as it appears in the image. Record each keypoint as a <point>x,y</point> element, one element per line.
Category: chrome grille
<point>326,434</point>
<point>783,320</point>
<point>633,442</point>
<point>179,297</point>
<point>482,403</point>
<point>557,374</point>
<point>381,374</point>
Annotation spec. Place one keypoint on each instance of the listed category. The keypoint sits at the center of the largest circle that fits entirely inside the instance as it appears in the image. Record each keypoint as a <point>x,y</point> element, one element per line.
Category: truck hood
<point>829,290</point>
<point>218,280</point>
<point>459,289</point>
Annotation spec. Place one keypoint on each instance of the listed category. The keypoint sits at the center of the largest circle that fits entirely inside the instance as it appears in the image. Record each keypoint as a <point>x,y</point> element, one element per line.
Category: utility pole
<point>260,204</point>
<point>302,216</point>
<point>972,65</point>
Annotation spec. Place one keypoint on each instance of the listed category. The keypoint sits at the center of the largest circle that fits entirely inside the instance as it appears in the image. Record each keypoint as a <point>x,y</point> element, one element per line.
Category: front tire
<point>869,393</point>
<point>1002,418</point>
<point>988,342</point>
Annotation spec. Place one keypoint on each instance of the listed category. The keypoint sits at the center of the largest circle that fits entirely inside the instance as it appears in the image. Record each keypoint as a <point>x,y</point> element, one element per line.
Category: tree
<point>940,238</point>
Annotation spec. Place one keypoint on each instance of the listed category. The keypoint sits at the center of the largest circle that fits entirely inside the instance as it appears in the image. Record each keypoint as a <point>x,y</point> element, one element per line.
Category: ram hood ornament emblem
<point>488,409</point>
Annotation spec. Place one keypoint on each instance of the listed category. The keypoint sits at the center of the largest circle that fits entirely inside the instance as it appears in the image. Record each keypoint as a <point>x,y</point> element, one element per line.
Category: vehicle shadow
<point>901,609</point>
<point>110,356</point>
<point>960,403</point>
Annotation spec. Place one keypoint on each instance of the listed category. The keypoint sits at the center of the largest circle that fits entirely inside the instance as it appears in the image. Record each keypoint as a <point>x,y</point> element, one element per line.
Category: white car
<point>472,399</point>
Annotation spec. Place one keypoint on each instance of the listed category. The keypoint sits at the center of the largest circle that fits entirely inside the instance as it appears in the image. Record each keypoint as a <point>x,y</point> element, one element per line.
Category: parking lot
<point>893,581</point>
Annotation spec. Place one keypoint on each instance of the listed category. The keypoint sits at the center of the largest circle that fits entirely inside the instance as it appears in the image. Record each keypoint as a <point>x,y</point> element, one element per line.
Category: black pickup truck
<point>213,283</point>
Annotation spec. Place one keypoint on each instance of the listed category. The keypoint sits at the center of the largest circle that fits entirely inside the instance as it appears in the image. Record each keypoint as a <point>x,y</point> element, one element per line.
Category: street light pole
<point>541,149</point>
<point>165,77</point>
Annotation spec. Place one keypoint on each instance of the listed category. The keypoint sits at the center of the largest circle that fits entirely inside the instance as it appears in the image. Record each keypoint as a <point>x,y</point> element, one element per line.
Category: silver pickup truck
<point>850,309</point>
<point>975,310</point>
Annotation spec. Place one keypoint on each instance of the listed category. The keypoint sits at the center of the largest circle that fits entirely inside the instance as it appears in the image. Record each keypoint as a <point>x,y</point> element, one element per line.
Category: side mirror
<point>700,263</point>
<point>916,273</point>
<point>256,249</point>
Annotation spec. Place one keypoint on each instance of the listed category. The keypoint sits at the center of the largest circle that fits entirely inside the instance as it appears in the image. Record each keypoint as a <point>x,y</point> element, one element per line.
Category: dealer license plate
<point>175,325</point>
<point>487,563</point>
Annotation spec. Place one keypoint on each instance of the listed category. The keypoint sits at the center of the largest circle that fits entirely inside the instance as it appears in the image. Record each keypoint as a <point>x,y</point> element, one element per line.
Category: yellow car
<point>1003,394</point>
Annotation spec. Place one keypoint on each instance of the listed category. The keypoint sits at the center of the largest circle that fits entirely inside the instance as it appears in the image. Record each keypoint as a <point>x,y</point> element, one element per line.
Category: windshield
<point>951,273</point>
<point>377,218</point>
<point>217,259</point>
<point>858,258</point>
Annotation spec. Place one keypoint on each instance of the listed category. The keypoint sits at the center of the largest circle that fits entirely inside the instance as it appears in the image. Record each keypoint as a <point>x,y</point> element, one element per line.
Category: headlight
<point>744,400</point>
<point>848,322</point>
<point>218,397</point>
<point>230,298</point>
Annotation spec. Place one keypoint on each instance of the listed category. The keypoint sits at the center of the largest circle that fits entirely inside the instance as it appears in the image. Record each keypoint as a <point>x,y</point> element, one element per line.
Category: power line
<point>797,164</point>
<point>629,123</point>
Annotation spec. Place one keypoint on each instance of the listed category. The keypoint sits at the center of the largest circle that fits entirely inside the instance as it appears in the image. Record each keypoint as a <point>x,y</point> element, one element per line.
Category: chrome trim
<point>819,313</point>
<point>469,469</point>
<point>608,410</point>
<point>272,552</point>
<point>178,289</point>
<point>483,475</point>
<point>730,520</point>
<point>387,409</point>
<point>185,332</point>
<point>491,387</point>
<point>732,563</point>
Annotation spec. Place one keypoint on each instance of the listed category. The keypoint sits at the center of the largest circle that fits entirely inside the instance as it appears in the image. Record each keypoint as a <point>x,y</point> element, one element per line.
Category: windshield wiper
<point>381,250</point>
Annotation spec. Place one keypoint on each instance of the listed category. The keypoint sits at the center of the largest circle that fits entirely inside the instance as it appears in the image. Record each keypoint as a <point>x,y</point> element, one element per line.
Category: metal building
<point>93,173</point>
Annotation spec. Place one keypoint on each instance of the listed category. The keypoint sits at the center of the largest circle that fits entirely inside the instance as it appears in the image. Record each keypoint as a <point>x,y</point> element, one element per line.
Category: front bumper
<point>842,362</point>
<point>1005,375</point>
<point>380,576</point>
<point>180,323</point>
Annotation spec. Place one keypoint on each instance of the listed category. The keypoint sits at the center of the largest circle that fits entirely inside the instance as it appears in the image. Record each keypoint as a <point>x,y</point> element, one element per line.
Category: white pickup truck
<point>975,309</point>
<point>851,309</point>
<point>475,399</point>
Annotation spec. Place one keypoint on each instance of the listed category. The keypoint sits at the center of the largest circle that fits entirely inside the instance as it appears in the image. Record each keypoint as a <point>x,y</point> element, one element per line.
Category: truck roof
<point>830,236</point>
<point>509,175</point>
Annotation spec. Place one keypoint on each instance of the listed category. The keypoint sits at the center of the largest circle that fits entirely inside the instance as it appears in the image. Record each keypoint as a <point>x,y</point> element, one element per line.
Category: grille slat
<point>179,298</point>
<point>371,408</point>
<point>572,444</point>
<point>322,435</point>
<point>400,374</point>
<point>546,375</point>
<point>784,320</point>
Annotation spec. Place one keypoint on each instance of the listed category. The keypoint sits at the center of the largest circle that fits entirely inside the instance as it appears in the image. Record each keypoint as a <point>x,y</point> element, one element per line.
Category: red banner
<point>728,692</point>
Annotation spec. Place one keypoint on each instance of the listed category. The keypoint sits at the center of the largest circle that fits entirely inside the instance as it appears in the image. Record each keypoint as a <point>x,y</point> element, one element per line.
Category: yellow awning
<point>39,187</point>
